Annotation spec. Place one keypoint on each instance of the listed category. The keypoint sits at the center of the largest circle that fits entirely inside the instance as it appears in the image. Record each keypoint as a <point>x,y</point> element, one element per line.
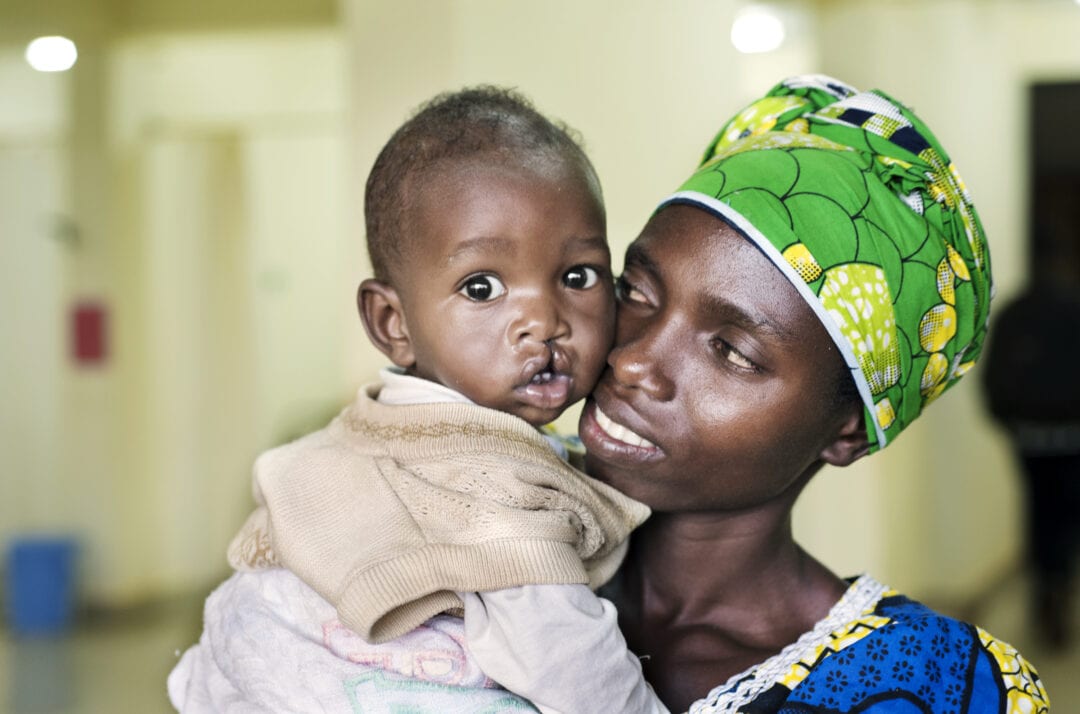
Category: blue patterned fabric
<point>918,662</point>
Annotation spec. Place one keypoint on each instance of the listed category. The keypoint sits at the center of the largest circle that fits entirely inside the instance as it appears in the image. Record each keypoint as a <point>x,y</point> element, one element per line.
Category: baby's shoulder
<point>318,450</point>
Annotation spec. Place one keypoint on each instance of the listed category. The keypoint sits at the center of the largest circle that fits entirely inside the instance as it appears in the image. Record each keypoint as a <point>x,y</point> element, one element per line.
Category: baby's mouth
<point>549,387</point>
<point>544,377</point>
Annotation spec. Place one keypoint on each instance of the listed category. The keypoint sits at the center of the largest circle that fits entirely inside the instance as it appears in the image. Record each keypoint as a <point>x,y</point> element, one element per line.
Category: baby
<point>492,296</point>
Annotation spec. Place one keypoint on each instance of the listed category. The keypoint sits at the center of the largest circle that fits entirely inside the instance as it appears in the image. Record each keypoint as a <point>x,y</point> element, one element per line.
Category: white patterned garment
<point>559,646</point>
<point>271,644</point>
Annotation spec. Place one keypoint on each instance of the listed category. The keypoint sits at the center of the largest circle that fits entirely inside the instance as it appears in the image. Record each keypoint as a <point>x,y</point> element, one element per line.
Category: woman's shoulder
<point>905,651</point>
<point>878,650</point>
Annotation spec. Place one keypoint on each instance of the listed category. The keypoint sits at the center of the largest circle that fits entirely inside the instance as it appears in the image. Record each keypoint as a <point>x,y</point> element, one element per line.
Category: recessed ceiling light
<point>758,29</point>
<point>51,54</point>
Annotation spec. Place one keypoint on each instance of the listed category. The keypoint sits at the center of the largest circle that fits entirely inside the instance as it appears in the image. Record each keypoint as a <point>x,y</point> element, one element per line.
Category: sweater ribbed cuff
<point>380,603</point>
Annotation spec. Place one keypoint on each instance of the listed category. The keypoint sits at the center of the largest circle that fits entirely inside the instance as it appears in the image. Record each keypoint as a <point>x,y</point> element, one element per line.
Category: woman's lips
<point>608,440</point>
<point>618,432</point>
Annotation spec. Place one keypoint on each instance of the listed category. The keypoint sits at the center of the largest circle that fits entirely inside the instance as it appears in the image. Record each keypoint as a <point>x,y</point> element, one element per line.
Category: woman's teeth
<point>620,432</point>
<point>542,377</point>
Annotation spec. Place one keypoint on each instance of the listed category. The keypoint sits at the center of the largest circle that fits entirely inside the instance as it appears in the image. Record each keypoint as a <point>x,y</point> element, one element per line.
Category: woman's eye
<point>581,277</point>
<point>626,292</point>
<point>735,357</point>
<point>481,288</point>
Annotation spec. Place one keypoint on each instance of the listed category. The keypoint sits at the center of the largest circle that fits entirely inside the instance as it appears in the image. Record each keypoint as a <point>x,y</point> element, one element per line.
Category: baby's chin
<point>546,393</point>
<point>537,416</point>
<point>540,402</point>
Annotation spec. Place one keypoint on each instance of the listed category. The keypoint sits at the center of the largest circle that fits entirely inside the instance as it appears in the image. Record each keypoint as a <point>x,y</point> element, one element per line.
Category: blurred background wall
<point>197,179</point>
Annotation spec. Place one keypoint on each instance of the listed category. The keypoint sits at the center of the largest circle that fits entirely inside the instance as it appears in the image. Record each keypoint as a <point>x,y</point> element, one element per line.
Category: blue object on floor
<point>40,587</point>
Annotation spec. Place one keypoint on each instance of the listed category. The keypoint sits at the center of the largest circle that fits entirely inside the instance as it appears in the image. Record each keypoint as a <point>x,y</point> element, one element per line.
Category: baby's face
<point>507,290</point>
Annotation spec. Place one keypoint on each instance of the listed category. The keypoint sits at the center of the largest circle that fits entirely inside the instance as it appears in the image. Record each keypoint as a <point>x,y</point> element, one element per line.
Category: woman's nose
<point>639,360</point>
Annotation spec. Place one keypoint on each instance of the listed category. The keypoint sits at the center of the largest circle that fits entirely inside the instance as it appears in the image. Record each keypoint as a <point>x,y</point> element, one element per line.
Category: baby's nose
<point>539,320</point>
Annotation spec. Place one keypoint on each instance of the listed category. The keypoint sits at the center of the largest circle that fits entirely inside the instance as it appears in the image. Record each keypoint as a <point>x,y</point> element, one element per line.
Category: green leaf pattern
<point>856,195</point>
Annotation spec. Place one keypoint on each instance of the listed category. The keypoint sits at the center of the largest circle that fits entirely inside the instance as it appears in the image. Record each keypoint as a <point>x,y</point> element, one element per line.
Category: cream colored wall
<point>233,147</point>
<point>206,175</point>
<point>34,202</point>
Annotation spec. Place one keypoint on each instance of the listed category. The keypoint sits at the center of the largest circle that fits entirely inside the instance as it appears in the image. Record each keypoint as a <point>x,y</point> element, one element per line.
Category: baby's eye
<point>481,288</point>
<point>580,277</point>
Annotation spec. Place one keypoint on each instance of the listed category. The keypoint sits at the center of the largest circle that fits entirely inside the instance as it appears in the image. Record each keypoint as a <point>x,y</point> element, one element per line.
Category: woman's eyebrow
<point>756,322</point>
<point>639,258</point>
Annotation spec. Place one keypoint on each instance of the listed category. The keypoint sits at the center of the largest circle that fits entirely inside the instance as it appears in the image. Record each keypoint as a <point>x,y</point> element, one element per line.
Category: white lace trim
<point>743,688</point>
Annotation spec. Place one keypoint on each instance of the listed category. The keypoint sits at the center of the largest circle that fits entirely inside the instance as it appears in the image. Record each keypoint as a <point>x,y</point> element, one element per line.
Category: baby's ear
<point>384,321</point>
<point>850,443</point>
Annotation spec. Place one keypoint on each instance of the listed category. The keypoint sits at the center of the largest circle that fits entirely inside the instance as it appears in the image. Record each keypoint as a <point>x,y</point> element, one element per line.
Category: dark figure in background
<point>1032,379</point>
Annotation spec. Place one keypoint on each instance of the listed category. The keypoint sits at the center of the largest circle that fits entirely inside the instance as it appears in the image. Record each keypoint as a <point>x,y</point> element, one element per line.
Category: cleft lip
<point>545,383</point>
<point>553,359</point>
<point>561,360</point>
<point>534,366</point>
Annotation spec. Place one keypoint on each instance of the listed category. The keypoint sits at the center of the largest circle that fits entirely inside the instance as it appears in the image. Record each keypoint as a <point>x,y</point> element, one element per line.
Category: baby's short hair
<point>453,125</point>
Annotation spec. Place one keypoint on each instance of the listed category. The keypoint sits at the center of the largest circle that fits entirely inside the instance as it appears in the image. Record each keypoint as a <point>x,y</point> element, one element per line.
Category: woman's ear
<point>384,321</point>
<point>850,443</point>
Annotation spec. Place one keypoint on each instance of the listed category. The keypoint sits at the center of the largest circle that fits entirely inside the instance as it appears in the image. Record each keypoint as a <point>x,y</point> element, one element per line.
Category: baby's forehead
<point>545,163</point>
<point>495,184</point>
<point>462,177</point>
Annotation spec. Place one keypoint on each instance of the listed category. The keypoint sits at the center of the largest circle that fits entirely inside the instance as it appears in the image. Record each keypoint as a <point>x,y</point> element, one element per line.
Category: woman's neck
<point>701,561</point>
<point>708,595</point>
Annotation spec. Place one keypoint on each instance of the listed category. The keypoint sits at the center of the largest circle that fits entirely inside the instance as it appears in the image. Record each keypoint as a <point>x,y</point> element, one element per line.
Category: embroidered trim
<point>862,596</point>
<point>438,430</point>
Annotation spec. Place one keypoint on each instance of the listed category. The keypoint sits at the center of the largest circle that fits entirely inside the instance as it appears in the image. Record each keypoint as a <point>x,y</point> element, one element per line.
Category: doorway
<point>1054,223</point>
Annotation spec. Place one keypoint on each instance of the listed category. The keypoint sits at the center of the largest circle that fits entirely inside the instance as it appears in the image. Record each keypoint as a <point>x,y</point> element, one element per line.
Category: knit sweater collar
<point>437,430</point>
<point>400,389</point>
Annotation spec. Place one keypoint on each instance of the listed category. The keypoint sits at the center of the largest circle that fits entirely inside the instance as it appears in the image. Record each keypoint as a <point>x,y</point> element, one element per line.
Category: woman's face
<point>717,395</point>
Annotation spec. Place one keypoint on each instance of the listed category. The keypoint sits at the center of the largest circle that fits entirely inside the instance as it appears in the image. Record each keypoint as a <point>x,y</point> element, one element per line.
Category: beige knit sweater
<point>391,509</point>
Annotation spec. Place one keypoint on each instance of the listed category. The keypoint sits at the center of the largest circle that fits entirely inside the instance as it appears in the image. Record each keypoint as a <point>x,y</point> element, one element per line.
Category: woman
<point>820,279</point>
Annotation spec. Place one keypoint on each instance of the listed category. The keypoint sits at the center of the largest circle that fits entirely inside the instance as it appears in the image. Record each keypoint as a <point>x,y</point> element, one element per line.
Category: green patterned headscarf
<point>855,201</point>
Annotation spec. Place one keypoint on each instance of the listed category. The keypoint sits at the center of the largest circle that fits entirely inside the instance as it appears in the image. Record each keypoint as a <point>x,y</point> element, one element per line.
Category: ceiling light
<point>757,29</point>
<point>51,54</point>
